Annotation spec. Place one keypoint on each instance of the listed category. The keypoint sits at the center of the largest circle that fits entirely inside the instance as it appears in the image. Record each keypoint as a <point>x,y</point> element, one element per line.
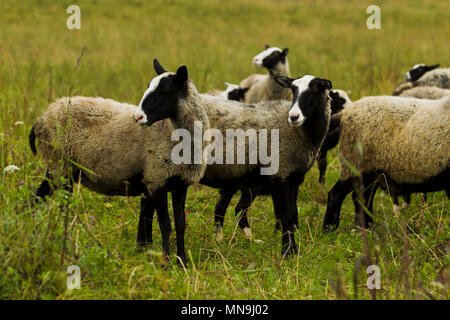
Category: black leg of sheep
<point>242,206</point>
<point>221,208</point>
<point>178,201</point>
<point>160,203</point>
<point>144,236</point>
<point>362,218</point>
<point>322,163</point>
<point>44,189</point>
<point>336,196</point>
<point>283,207</point>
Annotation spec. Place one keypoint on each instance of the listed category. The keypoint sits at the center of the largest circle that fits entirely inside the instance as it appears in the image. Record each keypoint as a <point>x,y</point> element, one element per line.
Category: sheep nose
<point>138,117</point>
<point>294,117</point>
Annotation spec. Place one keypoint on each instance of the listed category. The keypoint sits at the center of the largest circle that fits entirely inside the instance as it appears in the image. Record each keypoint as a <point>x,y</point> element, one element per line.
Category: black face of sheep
<point>309,94</point>
<point>160,101</point>
<point>337,102</point>
<point>237,94</point>
<point>418,70</point>
<point>270,57</point>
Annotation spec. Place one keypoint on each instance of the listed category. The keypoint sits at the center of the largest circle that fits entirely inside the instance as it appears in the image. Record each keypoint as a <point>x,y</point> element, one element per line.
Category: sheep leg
<point>336,197</point>
<point>395,203</point>
<point>244,203</point>
<point>178,202</point>
<point>44,189</point>
<point>322,163</point>
<point>363,219</point>
<point>283,208</point>
<point>293,194</point>
<point>221,208</point>
<point>160,204</point>
<point>406,200</point>
<point>144,236</point>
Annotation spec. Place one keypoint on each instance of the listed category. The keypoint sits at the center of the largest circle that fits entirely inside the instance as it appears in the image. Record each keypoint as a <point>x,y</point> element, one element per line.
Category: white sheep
<point>399,142</point>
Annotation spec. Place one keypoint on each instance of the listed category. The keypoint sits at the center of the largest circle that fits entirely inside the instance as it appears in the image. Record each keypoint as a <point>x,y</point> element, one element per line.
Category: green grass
<point>216,40</point>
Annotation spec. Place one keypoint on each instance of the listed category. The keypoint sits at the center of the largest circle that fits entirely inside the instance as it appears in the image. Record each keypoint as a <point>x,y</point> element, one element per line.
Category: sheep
<point>418,70</point>
<point>431,93</point>
<point>401,142</point>
<point>264,87</point>
<point>102,147</point>
<point>339,100</point>
<point>232,92</point>
<point>299,141</point>
<point>418,76</point>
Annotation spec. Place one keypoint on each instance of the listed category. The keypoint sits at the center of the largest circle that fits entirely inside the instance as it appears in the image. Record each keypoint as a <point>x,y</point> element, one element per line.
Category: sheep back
<point>405,138</point>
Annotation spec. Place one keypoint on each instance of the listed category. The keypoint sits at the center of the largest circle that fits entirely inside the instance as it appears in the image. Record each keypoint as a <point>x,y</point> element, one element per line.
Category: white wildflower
<point>18,123</point>
<point>11,168</point>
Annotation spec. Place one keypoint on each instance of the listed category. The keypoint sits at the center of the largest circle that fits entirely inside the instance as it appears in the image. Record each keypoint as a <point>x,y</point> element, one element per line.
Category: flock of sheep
<point>401,144</point>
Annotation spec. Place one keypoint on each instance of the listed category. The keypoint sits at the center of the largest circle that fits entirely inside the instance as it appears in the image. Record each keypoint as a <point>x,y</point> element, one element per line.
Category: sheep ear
<point>267,46</point>
<point>432,67</point>
<point>320,84</point>
<point>182,75</point>
<point>227,84</point>
<point>283,81</point>
<point>285,51</point>
<point>244,90</point>
<point>158,67</point>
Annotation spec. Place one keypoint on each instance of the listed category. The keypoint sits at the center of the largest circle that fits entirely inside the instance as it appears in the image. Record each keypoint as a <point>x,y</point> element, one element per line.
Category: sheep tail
<point>32,140</point>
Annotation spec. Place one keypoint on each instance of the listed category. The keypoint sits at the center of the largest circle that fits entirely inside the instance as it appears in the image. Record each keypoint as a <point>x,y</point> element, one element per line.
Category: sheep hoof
<point>219,233</point>
<point>142,246</point>
<point>247,233</point>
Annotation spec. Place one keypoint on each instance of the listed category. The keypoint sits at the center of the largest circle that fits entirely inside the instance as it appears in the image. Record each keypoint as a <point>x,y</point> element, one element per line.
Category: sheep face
<point>270,57</point>
<point>309,93</point>
<point>161,99</point>
<point>418,70</point>
<point>234,92</point>
<point>339,101</point>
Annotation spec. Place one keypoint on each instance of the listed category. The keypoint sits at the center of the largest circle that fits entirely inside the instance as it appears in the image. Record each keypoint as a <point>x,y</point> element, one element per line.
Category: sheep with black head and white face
<point>264,87</point>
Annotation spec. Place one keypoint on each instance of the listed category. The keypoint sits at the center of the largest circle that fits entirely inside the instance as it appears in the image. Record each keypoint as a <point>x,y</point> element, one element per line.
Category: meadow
<point>40,60</point>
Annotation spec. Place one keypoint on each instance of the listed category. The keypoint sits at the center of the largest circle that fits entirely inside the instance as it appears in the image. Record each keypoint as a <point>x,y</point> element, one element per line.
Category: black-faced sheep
<point>232,92</point>
<point>339,100</point>
<point>298,140</point>
<point>401,142</point>
<point>418,70</point>
<point>96,141</point>
<point>421,76</point>
<point>264,87</point>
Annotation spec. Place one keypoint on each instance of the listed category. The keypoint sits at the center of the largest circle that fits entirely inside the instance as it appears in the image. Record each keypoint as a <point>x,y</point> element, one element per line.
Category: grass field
<point>216,40</point>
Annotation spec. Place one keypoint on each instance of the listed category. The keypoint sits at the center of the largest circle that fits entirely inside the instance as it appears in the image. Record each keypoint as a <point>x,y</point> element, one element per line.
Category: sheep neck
<point>281,69</point>
<point>190,111</point>
<point>315,127</point>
